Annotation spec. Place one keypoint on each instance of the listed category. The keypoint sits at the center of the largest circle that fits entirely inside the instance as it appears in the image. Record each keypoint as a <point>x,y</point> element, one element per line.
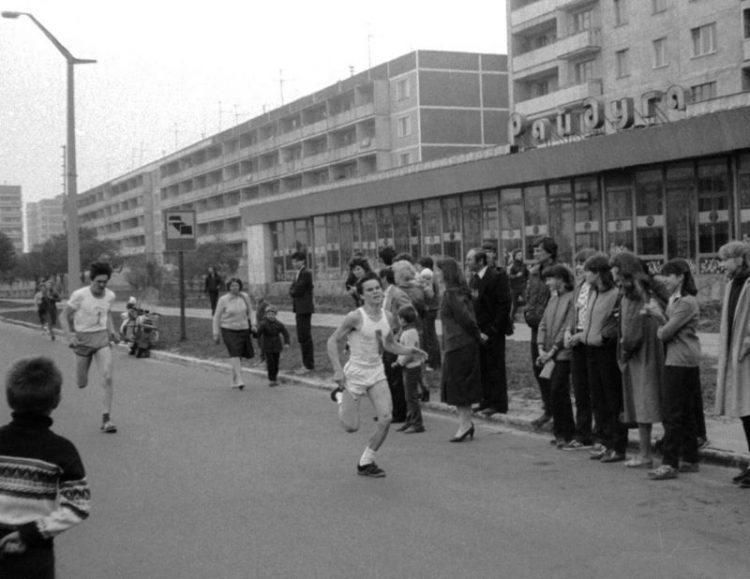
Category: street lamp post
<point>71,175</point>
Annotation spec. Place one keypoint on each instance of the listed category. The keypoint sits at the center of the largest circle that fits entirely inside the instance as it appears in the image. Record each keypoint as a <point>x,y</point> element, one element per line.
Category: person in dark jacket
<point>519,276</point>
<point>537,296</point>
<point>212,287</point>
<point>270,334</point>
<point>301,291</point>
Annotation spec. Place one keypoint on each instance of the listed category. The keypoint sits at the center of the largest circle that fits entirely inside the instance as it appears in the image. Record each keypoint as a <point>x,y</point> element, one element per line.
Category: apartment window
<point>622,63</point>
<point>621,12</point>
<point>403,89</point>
<point>584,71</point>
<point>658,5</point>
<point>660,52</point>
<point>539,88</point>
<point>703,92</point>
<point>582,20</point>
<point>404,159</point>
<point>404,126</point>
<point>746,21</point>
<point>704,39</point>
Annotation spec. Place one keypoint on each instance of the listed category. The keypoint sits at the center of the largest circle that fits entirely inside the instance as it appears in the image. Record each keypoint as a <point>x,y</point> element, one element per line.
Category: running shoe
<point>371,470</point>
<point>108,427</point>
<point>335,393</point>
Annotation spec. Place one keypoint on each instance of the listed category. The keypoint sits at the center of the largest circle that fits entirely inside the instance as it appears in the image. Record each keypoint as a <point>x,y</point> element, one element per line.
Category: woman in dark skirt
<point>461,381</point>
<point>233,318</point>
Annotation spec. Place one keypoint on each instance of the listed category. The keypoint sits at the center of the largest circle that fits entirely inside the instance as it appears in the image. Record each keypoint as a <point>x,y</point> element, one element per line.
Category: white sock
<point>339,397</point>
<point>368,456</point>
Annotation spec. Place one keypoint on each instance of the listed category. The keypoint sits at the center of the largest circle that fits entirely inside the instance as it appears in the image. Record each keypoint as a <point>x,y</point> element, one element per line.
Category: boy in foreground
<point>43,488</point>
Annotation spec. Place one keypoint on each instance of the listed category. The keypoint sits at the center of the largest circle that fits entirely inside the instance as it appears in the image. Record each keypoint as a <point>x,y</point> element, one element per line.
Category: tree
<point>7,255</point>
<point>29,267</point>
<point>54,252</point>
<point>217,254</point>
<point>143,272</point>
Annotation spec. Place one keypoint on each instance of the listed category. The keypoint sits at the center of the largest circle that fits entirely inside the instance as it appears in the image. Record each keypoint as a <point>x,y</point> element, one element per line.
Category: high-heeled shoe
<point>462,437</point>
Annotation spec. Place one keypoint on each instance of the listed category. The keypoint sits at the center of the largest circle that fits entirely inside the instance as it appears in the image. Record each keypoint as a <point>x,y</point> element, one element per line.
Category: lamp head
<point>11,14</point>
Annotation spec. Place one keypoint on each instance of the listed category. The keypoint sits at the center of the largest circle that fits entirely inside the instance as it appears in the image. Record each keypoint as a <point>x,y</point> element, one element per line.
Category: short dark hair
<point>33,385</point>
<point>427,262</point>
<point>299,256</point>
<point>490,246</point>
<point>583,254</point>
<point>367,277</point>
<point>232,280</point>
<point>679,266</point>
<point>407,313</point>
<point>404,256</point>
<point>560,271</point>
<point>387,254</point>
<point>547,244</point>
<point>387,274</point>
<point>361,261</point>
<point>480,254</point>
<point>100,268</point>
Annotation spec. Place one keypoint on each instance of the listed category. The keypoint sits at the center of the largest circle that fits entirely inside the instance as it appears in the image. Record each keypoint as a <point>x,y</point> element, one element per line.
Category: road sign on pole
<point>179,236</point>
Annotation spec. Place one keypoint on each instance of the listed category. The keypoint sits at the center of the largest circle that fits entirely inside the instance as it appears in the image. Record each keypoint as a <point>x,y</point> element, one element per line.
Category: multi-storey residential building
<point>11,215</point>
<point>44,219</point>
<point>422,106</point>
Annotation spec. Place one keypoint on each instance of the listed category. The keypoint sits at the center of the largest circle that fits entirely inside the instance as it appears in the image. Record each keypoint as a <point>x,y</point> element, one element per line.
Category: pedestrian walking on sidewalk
<point>733,380</point>
<point>212,287</point>
<point>461,380</point>
<point>91,332</point>
<point>270,333</point>
<point>682,384</point>
<point>50,299</point>
<point>44,490</point>
<point>233,320</point>
<point>367,330</point>
<point>303,307</point>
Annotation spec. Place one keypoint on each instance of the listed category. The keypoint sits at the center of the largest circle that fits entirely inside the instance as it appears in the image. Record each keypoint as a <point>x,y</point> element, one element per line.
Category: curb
<point>709,454</point>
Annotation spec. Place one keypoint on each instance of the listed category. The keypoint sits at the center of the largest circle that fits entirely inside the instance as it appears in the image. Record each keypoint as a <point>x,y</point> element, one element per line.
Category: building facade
<point>11,215</point>
<point>44,220</point>
<point>422,106</point>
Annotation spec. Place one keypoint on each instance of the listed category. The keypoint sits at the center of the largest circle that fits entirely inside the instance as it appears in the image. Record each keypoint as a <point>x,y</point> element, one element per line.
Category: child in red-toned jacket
<point>270,334</point>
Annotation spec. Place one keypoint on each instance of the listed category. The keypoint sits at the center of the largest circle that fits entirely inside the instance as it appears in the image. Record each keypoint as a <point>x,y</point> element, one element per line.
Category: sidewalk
<point>727,443</point>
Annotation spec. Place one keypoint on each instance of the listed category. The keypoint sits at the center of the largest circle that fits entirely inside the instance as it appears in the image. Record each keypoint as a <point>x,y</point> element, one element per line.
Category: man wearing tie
<point>490,291</point>
<point>301,291</point>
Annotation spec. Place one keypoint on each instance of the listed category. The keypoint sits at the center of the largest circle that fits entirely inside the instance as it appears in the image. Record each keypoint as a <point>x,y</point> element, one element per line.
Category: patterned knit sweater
<point>43,488</point>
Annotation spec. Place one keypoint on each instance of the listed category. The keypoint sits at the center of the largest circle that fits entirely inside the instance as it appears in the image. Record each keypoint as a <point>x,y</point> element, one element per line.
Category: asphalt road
<point>206,482</point>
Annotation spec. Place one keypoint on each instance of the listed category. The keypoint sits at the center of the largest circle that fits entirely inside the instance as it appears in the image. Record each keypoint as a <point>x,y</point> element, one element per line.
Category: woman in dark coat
<point>461,381</point>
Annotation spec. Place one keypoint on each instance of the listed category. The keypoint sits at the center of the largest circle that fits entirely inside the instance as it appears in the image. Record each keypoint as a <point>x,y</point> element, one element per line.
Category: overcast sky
<point>168,73</point>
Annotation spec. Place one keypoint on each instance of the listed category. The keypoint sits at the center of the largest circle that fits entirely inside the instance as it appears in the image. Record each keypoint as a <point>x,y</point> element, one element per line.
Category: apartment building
<point>11,215</point>
<point>44,220</point>
<point>422,106</point>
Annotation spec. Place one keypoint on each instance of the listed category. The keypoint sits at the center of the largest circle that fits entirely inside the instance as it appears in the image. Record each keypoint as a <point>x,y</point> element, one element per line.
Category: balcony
<point>532,12</point>
<point>563,96</point>
<point>746,48</point>
<point>579,44</point>
<point>535,61</point>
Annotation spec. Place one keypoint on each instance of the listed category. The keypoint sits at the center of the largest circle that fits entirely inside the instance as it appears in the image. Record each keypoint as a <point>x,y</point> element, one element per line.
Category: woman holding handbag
<point>233,319</point>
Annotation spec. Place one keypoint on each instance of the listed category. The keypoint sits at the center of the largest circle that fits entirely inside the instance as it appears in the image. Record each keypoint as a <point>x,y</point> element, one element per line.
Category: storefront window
<point>490,226</point>
<point>415,230</point>
<point>472,220</point>
<point>384,217</point>
<point>367,227</point>
<point>649,214</point>
<point>743,187</point>
<point>713,206</point>
<point>319,250</point>
<point>333,247</point>
<point>433,229</point>
<point>535,213</point>
<point>588,213</point>
<point>681,209</point>
<point>277,240</point>
<point>561,220</point>
<point>346,239</point>
<point>452,228</point>
<point>619,196</point>
<point>401,228</point>
<point>511,220</point>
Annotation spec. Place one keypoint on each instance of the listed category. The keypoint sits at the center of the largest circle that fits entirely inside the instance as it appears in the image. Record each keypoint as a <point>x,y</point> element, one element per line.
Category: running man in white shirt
<point>91,331</point>
<point>368,331</point>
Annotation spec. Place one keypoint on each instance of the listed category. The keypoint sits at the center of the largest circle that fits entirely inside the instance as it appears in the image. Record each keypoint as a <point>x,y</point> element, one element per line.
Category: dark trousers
<point>580,377</point>
<point>272,364</point>
<point>412,378</point>
<point>430,339</point>
<point>678,415</point>
<point>543,384</point>
<point>562,409</point>
<point>492,368</point>
<point>37,562</point>
<point>304,337</point>
<point>605,382</point>
<point>394,376</point>
<point>213,298</point>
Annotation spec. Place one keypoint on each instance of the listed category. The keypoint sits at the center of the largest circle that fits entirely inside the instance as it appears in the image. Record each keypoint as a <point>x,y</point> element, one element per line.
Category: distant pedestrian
<point>518,275</point>
<point>303,307</point>
<point>91,331</point>
<point>43,488</point>
<point>411,366</point>
<point>270,333</point>
<point>233,320</point>
<point>733,380</point>
<point>50,299</point>
<point>39,303</point>
<point>212,286</point>
<point>260,314</point>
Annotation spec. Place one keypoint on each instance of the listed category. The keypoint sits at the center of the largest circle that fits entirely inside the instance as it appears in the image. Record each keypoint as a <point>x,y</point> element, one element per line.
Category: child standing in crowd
<point>412,371</point>
<point>43,487</point>
<point>682,385</point>
<point>270,333</point>
<point>554,355</point>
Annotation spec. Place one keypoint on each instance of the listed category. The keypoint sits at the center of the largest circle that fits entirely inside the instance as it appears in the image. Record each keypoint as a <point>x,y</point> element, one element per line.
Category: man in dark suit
<point>301,291</point>
<point>490,291</point>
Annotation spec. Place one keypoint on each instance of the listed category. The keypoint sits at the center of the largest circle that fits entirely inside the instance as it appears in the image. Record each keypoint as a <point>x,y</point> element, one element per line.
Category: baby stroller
<point>140,329</point>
